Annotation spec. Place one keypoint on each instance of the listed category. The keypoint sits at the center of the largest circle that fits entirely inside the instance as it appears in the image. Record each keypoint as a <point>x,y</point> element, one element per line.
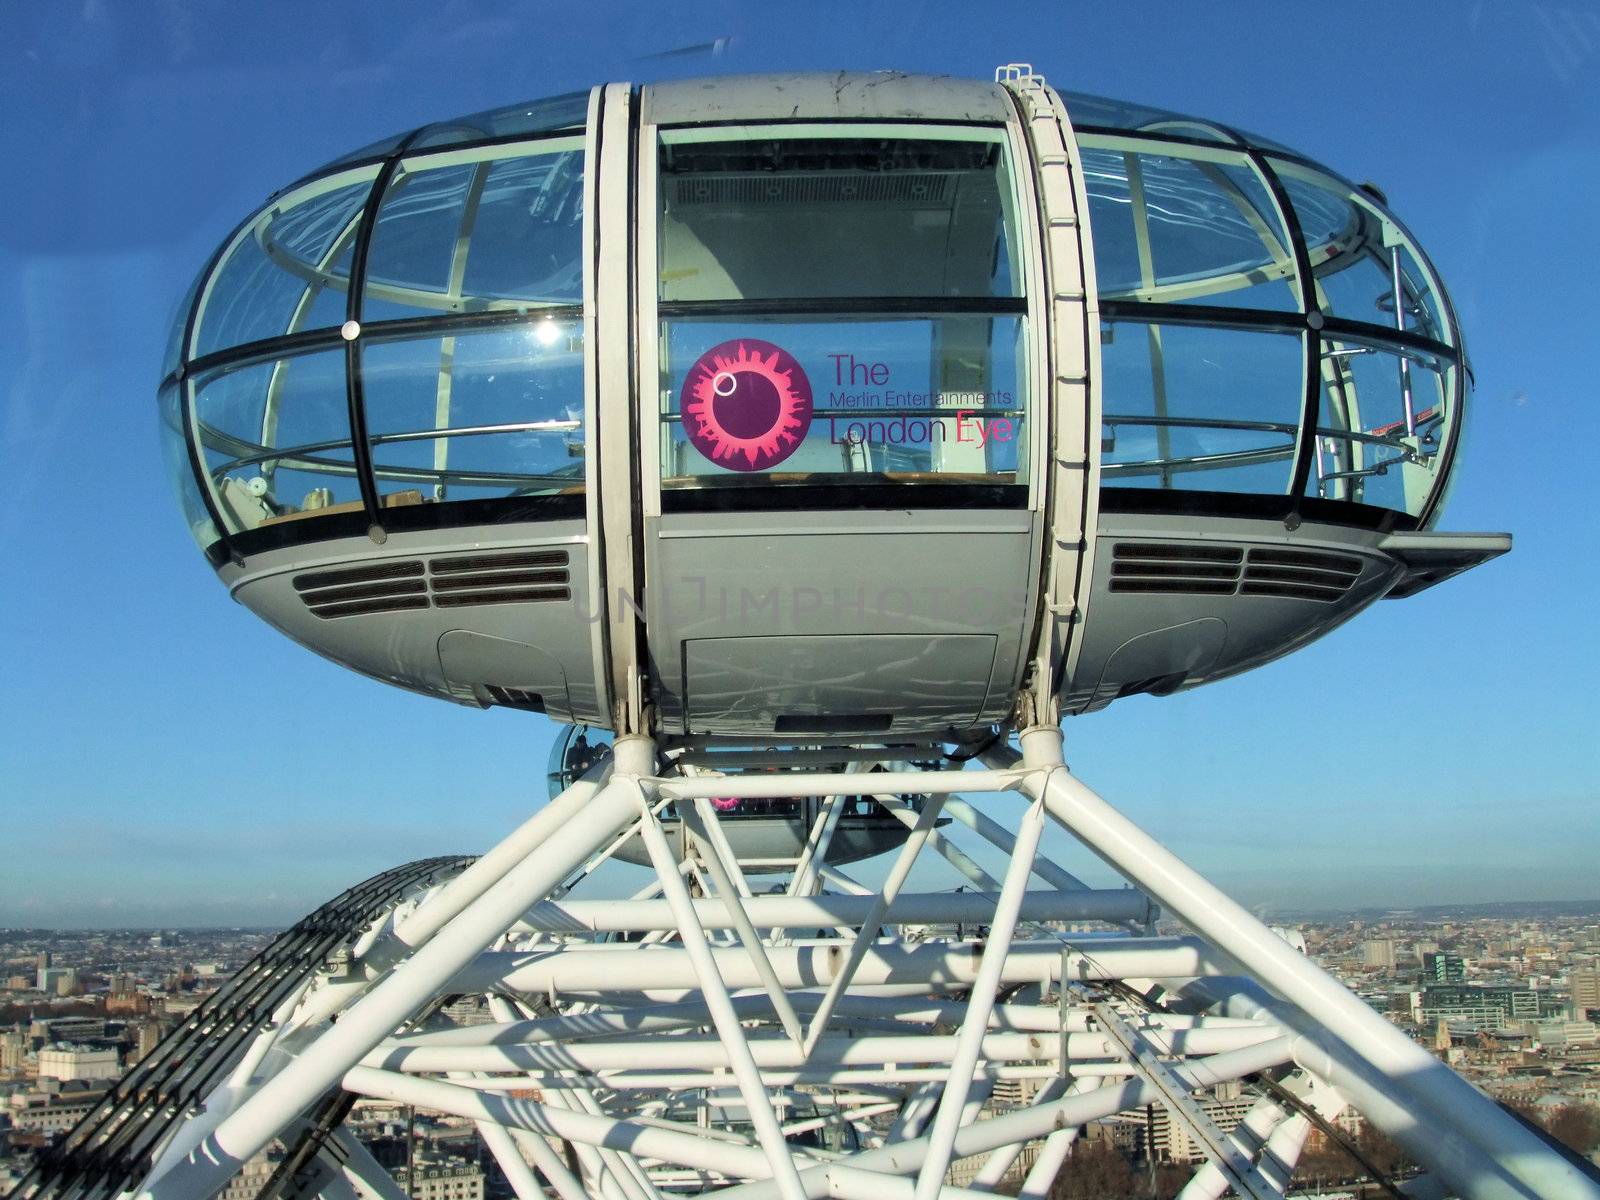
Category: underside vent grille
<point>515,577</point>
<point>1218,570</point>
<point>1205,569</point>
<point>522,577</point>
<point>510,697</point>
<point>352,591</point>
<point>1303,574</point>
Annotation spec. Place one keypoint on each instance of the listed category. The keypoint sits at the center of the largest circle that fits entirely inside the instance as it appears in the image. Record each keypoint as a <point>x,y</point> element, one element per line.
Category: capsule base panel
<point>890,622</point>
<point>493,616</point>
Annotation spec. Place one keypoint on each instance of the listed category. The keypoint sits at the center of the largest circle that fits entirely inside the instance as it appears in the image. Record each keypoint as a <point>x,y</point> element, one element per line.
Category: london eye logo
<point>746,404</point>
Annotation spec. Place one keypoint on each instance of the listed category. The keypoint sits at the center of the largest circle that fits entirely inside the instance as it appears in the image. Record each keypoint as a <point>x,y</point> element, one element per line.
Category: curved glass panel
<point>1199,408</point>
<point>1186,225</point>
<point>1381,425</point>
<point>288,270</point>
<point>479,231</point>
<point>175,456</point>
<point>574,750</point>
<point>477,415</point>
<point>275,441</point>
<point>1084,109</point>
<point>1102,112</point>
<point>841,304</point>
<point>172,357</point>
<point>532,117</point>
<point>1364,265</point>
<point>381,148</point>
<point>843,211</point>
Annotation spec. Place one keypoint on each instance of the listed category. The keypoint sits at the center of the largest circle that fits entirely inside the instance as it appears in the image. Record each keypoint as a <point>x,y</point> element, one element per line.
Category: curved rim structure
<point>108,1152</point>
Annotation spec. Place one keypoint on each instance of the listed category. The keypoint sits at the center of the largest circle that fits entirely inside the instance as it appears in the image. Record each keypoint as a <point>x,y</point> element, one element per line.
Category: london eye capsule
<point>818,409</point>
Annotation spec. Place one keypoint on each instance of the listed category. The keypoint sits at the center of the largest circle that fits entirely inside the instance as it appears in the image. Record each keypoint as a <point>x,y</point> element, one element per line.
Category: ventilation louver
<point>515,577</point>
<point>510,697</point>
<point>1209,569</point>
<point>1303,574</point>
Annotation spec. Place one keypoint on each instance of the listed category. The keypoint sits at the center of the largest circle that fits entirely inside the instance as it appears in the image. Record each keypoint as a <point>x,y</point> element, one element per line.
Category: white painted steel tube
<point>939,966</point>
<point>576,824</point>
<point>905,1158</point>
<point>550,1164</point>
<point>991,830</point>
<point>971,1038</point>
<point>706,1053</point>
<point>872,920</point>
<point>800,784</point>
<point>768,1131</point>
<point>587,1128</point>
<point>1380,1103</point>
<point>1519,1166</point>
<point>1209,1183</point>
<point>1041,1176</point>
<point>492,866</point>
<point>1111,905</point>
<point>734,892</point>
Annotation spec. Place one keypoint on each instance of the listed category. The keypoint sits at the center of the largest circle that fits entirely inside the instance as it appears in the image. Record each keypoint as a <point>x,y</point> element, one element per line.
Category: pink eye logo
<point>746,404</point>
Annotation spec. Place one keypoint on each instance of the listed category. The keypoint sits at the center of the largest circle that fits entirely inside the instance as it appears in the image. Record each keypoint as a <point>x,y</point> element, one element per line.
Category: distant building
<point>1564,1035</point>
<point>1379,952</point>
<point>469,1010</point>
<point>1158,1135</point>
<point>56,981</point>
<point>128,1004</point>
<point>253,1176</point>
<point>1015,1093</point>
<point>14,1047</point>
<point>1584,983</point>
<point>67,1061</point>
<point>1482,1007</point>
<point>1443,968</point>
<point>67,1029</point>
<point>53,1112</point>
<point>451,1179</point>
<point>150,1035</point>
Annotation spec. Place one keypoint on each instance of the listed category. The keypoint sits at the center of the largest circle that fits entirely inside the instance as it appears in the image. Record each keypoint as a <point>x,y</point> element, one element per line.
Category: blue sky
<point>167,759</point>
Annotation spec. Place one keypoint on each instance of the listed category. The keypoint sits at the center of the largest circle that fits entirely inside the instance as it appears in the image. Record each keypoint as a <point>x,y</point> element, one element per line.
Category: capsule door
<point>840,463</point>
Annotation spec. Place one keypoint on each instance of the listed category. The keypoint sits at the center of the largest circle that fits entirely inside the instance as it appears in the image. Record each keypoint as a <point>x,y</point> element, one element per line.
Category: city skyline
<point>165,756</point>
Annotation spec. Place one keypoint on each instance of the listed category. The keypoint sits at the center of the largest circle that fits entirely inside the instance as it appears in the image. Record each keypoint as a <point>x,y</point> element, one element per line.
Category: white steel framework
<point>816,1036</point>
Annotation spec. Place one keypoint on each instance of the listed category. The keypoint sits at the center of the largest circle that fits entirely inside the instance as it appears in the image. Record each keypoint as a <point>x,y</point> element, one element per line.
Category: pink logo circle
<point>746,404</point>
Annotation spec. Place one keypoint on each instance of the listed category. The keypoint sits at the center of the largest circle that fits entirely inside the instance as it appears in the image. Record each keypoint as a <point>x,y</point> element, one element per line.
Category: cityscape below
<point>1508,994</point>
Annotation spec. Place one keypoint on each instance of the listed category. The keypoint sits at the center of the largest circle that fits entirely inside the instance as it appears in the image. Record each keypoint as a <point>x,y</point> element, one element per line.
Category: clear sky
<point>165,758</point>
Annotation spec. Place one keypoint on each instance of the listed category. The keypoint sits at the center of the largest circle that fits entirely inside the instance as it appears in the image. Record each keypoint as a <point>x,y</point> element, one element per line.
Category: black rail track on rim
<point>112,1148</point>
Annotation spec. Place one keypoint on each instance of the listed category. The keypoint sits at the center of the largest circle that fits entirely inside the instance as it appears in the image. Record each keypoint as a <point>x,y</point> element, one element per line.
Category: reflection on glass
<point>509,402</point>
<point>865,222</point>
<point>890,400</point>
<point>1200,408</point>
<point>767,214</point>
<point>478,231</point>
<point>1190,226</point>
<point>288,270</point>
<point>528,119</point>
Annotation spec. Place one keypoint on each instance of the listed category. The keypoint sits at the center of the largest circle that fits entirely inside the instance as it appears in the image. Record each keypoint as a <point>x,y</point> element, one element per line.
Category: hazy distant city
<point>1507,994</point>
